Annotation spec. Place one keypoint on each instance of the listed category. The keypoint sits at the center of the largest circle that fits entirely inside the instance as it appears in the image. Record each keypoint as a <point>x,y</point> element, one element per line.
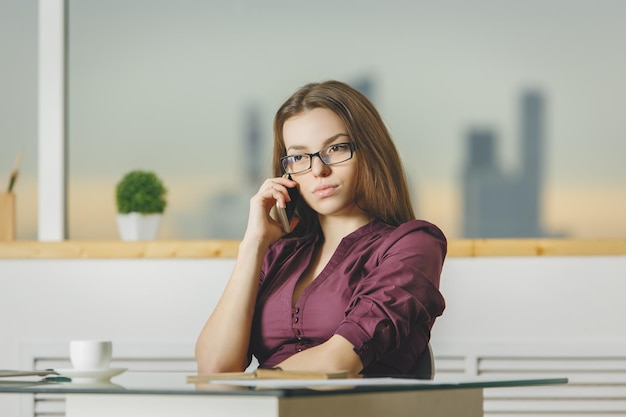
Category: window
<point>183,88</point>
<point>18,110</point>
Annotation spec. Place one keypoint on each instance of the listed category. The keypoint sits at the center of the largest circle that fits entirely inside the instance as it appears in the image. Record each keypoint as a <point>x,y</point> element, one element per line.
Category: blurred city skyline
<point>500,203</point>
<point>165,86</point>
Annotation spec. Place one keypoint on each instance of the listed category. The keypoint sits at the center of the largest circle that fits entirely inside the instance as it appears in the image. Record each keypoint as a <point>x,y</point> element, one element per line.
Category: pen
<point>57,379</point>
<point>15,170</point>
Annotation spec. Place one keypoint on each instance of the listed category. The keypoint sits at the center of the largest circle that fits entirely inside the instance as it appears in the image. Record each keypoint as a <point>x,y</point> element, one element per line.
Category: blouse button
<point>299,349</point>
<point>295,320</point>
<point>297,310</point>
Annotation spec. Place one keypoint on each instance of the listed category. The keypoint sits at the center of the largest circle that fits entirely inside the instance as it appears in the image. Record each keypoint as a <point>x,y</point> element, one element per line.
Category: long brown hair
<point>382,190</point>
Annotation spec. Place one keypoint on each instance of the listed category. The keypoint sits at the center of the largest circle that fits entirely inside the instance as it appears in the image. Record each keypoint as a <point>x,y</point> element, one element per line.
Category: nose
<point>318,168</point>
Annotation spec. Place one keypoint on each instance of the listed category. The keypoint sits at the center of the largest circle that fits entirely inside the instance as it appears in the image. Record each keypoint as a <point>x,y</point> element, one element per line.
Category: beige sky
<point>585,213</point>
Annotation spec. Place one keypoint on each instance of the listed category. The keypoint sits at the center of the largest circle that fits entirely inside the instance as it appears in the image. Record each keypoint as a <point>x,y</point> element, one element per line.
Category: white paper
<point>339,382</point>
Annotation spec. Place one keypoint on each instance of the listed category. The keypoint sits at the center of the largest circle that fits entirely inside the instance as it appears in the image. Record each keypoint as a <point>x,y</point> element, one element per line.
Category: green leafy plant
<point>142,192</point>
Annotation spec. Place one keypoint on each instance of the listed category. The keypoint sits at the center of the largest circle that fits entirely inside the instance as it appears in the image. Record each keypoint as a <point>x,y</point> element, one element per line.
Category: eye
<point>340,147</point>
<point>297,157</point>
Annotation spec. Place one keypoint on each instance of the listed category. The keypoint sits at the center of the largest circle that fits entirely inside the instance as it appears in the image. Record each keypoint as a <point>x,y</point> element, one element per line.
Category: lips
<point>324,190</point>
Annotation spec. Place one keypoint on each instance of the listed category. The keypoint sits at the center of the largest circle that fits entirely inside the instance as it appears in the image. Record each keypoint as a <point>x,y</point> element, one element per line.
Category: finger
<point>280,199</point>
<point>273,186</point>
<point>284,181</point>
<point>279,192</point>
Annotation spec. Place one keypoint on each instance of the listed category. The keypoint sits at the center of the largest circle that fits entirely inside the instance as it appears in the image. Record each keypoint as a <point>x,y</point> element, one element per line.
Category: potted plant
<point>140,198</point>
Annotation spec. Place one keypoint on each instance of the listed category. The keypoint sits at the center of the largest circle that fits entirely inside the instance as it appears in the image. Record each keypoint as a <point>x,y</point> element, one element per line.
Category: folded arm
<point>336,354</point>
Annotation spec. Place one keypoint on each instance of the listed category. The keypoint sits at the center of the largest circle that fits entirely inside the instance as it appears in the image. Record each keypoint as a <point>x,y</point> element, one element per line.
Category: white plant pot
<point>137,226</point>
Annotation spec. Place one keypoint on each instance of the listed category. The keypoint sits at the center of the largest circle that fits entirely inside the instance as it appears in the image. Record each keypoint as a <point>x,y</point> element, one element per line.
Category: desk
<point>167,394</point>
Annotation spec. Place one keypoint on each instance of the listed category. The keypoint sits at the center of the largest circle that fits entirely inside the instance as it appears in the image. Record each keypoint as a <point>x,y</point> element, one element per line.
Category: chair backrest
<point>426,364</point>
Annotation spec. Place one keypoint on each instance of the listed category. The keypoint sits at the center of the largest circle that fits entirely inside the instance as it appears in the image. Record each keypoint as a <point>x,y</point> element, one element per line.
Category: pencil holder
<point>7,216</point>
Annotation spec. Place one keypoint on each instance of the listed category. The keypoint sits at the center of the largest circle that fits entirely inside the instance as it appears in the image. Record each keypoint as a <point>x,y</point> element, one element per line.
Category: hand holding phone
<point>286,214</point>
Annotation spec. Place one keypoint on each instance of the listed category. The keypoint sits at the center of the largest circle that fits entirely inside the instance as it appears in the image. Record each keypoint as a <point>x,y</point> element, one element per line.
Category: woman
<point>354,286</point>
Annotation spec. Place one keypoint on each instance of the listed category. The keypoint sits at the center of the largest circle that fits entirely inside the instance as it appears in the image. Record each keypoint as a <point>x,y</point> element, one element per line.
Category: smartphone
<point>286,214</point>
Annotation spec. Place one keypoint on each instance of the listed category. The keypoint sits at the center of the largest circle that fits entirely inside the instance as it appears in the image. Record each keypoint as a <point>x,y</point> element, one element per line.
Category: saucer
<point>90,375</point>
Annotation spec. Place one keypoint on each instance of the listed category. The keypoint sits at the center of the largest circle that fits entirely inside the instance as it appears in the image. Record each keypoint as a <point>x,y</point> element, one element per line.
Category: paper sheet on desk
<point>10,373</point>
<point>306,383</point>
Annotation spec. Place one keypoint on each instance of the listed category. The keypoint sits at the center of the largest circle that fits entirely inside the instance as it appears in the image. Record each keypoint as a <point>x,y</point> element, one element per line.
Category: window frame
<point>52,118</point>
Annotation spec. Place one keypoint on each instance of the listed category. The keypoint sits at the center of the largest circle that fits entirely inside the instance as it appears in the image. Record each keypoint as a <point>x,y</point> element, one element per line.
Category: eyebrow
<point>326,142</point>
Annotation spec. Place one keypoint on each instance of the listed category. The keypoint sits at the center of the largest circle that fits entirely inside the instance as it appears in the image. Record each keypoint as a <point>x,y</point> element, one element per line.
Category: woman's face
<point>327,189</point>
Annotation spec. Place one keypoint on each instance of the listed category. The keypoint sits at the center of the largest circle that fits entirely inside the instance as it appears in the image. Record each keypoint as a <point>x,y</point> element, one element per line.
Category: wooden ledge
<point>118,249</point>
<point>537,247</point>
<point>198,249</point>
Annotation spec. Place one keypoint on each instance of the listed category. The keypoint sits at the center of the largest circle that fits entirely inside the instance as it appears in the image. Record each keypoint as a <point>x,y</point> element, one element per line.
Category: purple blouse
<point>380,291</point>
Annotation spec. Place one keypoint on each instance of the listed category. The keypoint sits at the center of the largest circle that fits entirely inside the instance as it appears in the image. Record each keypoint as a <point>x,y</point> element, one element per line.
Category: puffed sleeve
<point>399,294</point>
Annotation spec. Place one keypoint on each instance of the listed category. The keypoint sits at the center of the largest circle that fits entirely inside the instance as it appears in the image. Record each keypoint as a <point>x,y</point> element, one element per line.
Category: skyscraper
<point>497,204</point>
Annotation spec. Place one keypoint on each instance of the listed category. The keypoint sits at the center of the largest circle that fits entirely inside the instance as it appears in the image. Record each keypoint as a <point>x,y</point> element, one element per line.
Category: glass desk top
<point>175,383</point>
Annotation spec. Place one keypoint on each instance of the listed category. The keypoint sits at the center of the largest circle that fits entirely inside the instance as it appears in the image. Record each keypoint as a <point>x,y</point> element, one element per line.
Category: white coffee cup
<point>90,354</point>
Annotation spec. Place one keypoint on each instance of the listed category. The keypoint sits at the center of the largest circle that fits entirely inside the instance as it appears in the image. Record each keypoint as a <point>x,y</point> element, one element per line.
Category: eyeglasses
<point>333,154</point>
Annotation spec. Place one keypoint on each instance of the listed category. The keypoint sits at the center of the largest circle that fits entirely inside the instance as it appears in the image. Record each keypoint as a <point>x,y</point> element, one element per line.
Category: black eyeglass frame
<point>351,145</point>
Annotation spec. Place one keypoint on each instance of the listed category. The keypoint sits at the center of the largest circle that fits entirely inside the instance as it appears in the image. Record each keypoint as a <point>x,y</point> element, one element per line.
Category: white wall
<point>511,301</point>
<point>534,299</point>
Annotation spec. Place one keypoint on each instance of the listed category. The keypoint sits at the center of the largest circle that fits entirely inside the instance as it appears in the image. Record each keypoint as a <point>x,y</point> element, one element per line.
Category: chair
<point>426,364</point>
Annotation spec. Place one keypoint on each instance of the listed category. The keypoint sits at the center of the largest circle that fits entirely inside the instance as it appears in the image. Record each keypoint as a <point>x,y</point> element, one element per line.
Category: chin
<point>337,211</point>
